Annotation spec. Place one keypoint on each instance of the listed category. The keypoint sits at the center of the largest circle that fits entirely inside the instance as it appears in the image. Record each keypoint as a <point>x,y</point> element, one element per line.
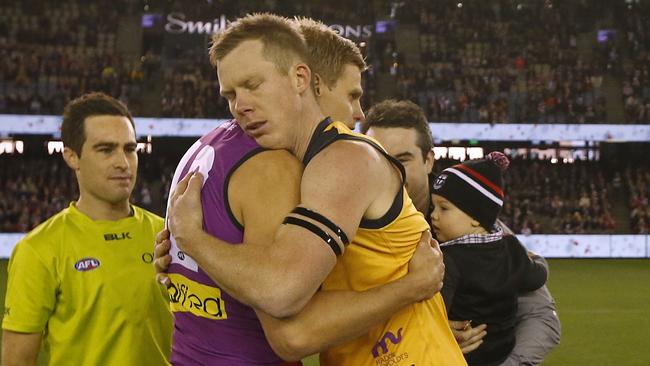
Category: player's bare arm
<point>261,208</point>
<point>334,317</point>
<point>340,184</point>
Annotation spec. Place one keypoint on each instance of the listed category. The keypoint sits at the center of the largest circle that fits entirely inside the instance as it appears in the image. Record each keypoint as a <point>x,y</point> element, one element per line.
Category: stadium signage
<point>178,24</point>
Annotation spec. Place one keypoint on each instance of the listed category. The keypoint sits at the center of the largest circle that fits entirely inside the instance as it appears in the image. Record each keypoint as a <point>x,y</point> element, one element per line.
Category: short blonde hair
<point>283,42</point>
<point>328,51</point>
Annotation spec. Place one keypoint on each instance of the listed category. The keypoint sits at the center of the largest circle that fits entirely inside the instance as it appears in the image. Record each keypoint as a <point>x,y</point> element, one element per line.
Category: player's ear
<point>429,161</point>
<point>71,158</point>
<point>302,77</point>
<point>317,83</point>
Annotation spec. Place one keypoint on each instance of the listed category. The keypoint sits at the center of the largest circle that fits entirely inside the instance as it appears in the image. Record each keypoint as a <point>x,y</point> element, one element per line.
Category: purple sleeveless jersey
<point>211,327</point>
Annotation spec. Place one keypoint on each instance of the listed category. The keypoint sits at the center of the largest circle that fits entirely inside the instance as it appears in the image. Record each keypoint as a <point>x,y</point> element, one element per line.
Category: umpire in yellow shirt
<point>83,281</point>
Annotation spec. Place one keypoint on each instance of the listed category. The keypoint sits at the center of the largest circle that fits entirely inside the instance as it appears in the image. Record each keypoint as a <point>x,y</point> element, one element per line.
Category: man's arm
<point>334,317</point>
<point>20,349</point>
<point>331,317</point>
<point>279,278</point>
<point>538,327</point>
<point>29,302</point>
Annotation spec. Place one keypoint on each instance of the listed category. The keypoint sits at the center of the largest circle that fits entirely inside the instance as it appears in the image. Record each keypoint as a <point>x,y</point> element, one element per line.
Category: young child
<point>484,269</point>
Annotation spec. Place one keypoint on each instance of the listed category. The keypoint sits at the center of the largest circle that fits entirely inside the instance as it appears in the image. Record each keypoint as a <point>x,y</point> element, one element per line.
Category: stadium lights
<point>55,146</point>
<point>475,152</point>
<point>457,153</point>
<point>144,147</point>
<point>11,146</point>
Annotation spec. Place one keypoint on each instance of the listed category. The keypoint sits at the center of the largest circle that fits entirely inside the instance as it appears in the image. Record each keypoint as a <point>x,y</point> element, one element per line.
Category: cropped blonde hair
<point>283,43</point>
<point>328,51</point>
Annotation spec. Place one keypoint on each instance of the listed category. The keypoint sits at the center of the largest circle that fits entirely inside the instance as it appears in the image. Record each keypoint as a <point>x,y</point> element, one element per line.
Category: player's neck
<point>98,209</point>
<point>304,132</point>
<point>423,204</point>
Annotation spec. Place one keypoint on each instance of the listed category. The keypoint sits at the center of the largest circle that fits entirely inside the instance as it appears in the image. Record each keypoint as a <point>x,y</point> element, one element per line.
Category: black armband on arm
<point>299,217</point>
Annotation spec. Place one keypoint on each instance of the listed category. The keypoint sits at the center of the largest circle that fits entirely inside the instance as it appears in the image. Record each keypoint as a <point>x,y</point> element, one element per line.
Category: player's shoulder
<point>270,173</point>
<point>349,155</point>
<point>48,235</point>
<point>271,162</point>
<point>49,229</point>
<point>353,146</point>
<point>148,218</point>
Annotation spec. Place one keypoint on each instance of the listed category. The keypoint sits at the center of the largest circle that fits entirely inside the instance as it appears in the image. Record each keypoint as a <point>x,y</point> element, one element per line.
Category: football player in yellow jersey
<point>81,282</point>
<point>350,189</point>
<point>402,129</point>
<point>321,323</point>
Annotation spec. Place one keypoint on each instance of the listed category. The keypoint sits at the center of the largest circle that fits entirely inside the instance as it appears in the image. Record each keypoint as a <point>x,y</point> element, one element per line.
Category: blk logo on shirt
<point>112,236</point>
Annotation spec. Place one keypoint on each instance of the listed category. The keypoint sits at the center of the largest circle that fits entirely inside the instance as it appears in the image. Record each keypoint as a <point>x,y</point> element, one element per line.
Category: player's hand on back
<point>161,257</point>
<point>426,268</point>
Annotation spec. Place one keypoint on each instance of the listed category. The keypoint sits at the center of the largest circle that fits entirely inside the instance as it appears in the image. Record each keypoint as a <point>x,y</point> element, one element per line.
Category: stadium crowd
<point>542,197</point>
<point>497,64</point>
<point>483,62</point>
<point>32,189</point>
<point>54,52</point>
<point>638,184</point>
<point>635,24</point>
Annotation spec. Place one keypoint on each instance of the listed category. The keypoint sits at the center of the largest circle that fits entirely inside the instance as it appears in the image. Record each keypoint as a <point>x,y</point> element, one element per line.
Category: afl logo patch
<point>440,181</point>
<point>86,264</point>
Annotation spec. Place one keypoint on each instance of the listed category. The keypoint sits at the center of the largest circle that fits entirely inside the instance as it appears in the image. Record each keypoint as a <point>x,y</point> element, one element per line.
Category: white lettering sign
<point>177,24</point>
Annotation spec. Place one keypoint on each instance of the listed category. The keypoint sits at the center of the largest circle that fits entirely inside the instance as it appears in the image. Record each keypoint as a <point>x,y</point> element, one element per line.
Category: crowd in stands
<point>52,52</point>
<point>191,87</point>
<point>493,62</point>
<point>503,64</point>
<point>566,198</point>
<point>33,189</point>
<point>638,185</point>
<point>543,197</point>
<point>636,81</point>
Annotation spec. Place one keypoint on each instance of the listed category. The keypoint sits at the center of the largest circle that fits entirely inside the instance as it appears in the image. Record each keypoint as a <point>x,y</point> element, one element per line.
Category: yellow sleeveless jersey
<point>379,253</point>
<point>90,287</point>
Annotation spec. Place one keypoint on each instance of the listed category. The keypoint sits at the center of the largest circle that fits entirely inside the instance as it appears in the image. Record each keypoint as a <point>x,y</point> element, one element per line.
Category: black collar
<point>319,140</point>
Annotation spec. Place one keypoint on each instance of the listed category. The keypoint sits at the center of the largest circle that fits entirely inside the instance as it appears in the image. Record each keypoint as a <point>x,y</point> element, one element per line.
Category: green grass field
<point>604,306</point>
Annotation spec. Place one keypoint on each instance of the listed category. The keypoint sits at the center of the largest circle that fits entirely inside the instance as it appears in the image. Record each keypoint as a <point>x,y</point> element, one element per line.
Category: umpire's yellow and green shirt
<point>90,287</point>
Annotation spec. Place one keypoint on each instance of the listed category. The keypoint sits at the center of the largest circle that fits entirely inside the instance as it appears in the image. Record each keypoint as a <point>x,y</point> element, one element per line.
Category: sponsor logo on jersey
<point>86,264</point>
<point>383,342</point>
<point>385,357</point>
<point>147,257</point>
<point>113,236</point>
<point>196,298</point>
